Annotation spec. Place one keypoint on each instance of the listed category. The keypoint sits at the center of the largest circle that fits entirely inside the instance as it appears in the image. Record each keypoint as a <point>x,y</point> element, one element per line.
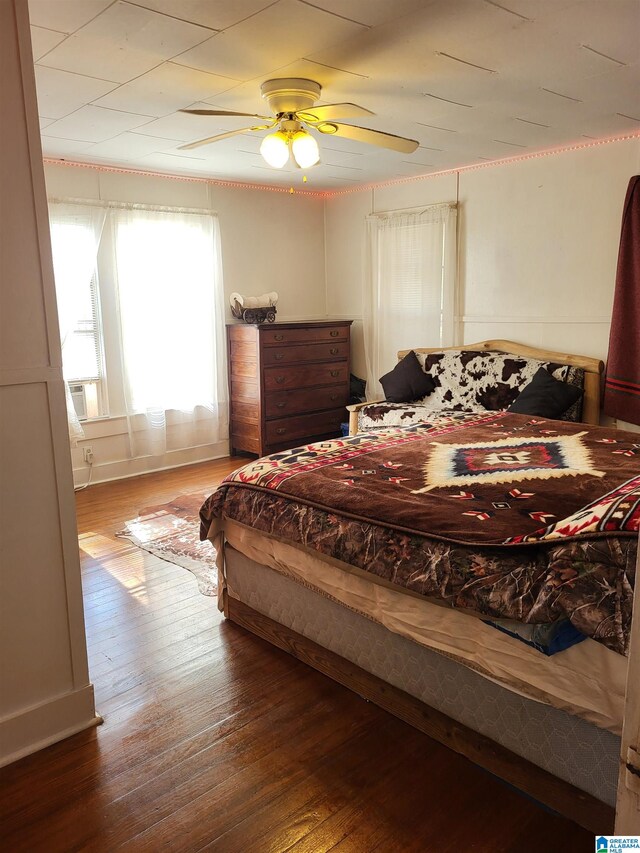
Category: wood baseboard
<point>584,809</point>
<point>42,725</point>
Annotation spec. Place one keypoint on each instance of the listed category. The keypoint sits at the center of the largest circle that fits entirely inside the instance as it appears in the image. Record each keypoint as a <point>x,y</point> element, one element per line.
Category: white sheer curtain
<point>169,284</point>
<point>75,237</point>
<point>409,286</point>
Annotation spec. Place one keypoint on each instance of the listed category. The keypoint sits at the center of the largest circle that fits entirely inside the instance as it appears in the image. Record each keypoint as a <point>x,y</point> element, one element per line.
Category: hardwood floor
<point>214,740</point>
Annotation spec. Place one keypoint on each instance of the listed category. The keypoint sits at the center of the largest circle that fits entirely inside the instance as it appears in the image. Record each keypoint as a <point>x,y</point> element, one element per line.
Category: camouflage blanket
<point>511,516</point>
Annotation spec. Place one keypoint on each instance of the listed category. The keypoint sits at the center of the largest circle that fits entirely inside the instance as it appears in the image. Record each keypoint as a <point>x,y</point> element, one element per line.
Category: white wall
<point>539,247</point>
<point>270,241</point>
<point>45,693</point>
<point>538,244</point>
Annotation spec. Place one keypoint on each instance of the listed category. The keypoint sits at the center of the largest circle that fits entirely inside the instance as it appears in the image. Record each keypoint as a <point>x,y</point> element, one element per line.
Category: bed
<point>397,560</point>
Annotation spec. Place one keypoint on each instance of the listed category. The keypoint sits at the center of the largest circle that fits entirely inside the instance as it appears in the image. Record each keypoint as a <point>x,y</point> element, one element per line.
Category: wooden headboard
<point>593,368</point>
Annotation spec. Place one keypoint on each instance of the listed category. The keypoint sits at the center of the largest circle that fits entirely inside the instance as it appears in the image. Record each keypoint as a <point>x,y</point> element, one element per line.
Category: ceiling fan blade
<point>209,139</point>
<point>328,112</point>
<point>222,113</point>
<point>370,137</point>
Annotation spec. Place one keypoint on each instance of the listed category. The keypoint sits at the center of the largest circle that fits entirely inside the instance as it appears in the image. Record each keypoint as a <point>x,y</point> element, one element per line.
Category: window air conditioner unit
<point>79,401</point>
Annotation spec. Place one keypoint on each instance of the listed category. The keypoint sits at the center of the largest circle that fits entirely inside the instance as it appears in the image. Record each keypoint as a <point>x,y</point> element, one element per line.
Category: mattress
<point>586,680</point>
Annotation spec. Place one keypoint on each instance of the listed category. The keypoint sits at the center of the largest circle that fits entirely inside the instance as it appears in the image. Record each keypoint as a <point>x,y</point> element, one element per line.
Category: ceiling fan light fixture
<point>275,149</point>
<point>305,149</point>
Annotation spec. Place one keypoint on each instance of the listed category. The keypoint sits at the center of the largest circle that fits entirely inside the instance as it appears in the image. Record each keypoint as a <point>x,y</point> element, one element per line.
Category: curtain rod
<point>124,205</point>
<point>422,209</point>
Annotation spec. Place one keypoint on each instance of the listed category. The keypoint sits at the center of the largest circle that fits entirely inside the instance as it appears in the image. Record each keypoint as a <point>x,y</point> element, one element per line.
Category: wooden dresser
<point>288,383</point>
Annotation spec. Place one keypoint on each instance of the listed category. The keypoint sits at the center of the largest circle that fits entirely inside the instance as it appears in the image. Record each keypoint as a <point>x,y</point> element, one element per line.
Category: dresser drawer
<point>285,429</point>
<point>317,334</point>
<point>305,352</point>
<point>278,404</point>
<point>282,378</point>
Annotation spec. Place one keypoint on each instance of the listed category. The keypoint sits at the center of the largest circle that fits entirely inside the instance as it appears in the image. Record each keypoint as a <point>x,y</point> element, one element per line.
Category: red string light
<point>547,152</point>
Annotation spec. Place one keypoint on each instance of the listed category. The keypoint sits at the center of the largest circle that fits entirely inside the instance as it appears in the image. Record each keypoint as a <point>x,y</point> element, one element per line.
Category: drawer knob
<point>279,379</point>
<point>334,350</point>
<point>334,396</point>
<point>334,333</point>
<point>335,372</point>
<point>278,337</point>
<point>281,430</point>
<point>278,356</point>
<point>280,405</point>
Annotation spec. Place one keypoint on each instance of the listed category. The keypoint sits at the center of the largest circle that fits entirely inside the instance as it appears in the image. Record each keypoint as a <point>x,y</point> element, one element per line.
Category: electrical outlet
<point>87,455</point>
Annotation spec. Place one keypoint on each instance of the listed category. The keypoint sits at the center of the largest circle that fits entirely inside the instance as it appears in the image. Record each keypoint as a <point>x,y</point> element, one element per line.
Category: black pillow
<point>407,381</point>
<point>546,397</point>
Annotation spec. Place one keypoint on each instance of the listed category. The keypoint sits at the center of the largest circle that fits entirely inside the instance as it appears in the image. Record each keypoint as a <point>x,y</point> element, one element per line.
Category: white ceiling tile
<point>129,146</point>
<point>611,27</point>
<point>405,167</point>
<point>245,97</point>
<point>225,150</point>
<point>370,12</point>
<point>339,158</point>
<point>274,37</point>
<point>60,93</point>
<point>453,26</point>
<point>323,74</point>
<point>123,42</point>
<point>42,41</point>
<point>188,128</point>
<point>63,148</point>
<point>45,122</point>
<point>536,10</point>
<point>165,89</point>
<point>66,16</point>
<point>615,91</point>
<point>218,15</point>
<point>538,56</point>
<point>545,107</point>
<point>95,124</point>
<point>612,124</point>
<point>401,49</point>
<point>174,164</point>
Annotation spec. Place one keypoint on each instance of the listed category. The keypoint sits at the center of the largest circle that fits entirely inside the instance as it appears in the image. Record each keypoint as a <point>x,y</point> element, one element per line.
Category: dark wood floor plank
<point>260,782</point>
<point>332,783</point>
<point>214,740</point>
<point>134,794</point>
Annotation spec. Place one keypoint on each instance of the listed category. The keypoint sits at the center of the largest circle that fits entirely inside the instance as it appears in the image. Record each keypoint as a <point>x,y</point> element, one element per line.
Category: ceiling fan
<point>291,100</point>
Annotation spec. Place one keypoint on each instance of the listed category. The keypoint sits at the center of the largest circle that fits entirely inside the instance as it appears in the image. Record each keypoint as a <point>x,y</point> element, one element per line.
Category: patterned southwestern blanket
<point>511,516</point>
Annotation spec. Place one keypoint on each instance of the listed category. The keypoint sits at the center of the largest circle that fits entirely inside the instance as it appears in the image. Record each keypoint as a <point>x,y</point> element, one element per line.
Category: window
<point>142,299</point>
<point>410,286</point>
<point>75,236</point>
<point>166,292</point>
<point>169,287</point>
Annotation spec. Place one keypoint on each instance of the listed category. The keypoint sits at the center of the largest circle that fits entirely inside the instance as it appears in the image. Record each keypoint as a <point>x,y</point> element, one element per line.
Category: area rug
<point>171,531</point>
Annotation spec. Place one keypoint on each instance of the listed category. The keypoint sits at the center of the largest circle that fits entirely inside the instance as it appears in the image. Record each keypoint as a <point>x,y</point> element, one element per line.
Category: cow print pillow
<point>477,381</point>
